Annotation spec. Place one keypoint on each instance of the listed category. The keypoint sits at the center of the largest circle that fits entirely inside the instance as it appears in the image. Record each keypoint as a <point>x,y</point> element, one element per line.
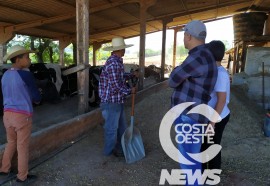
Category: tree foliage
<point>47,49</point>
<point>150,52</point>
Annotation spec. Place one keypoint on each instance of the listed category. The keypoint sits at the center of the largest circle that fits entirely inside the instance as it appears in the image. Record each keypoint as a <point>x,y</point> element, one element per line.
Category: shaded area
<point>245,152</point>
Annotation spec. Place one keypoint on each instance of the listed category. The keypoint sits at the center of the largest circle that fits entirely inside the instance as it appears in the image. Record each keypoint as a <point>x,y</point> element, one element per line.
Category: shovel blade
<point>132,145</point>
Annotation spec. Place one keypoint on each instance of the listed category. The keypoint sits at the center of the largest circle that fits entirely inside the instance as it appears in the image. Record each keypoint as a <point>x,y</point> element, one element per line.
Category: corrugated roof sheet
<point>109,18</point>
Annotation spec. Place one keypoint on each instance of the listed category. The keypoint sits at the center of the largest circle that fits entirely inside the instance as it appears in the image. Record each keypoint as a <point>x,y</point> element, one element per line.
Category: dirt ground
<point>245,152</point>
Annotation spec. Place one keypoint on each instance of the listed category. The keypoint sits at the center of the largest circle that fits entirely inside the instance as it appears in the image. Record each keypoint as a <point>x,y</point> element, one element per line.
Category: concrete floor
<point>49,114</point>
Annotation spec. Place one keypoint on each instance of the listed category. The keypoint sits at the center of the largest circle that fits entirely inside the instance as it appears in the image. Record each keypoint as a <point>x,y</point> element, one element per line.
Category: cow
<point>45,79</point>
<point>52,67</point>
<point>152,72</point>
<point>128,67</point>
<point>69,86</point>
<point>94,74</point>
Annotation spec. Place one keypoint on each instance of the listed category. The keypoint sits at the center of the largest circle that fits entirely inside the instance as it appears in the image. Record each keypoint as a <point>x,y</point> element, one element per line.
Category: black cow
<point>148,72</point>
<point>69,86</point>
<point>45,79</point>
<point>94,74</point>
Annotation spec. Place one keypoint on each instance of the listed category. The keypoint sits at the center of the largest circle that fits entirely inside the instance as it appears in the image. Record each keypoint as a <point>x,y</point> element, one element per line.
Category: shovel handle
<point>133,92</point>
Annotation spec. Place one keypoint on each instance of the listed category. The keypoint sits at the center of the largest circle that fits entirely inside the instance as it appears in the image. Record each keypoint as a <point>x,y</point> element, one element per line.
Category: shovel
<point>131,140</point>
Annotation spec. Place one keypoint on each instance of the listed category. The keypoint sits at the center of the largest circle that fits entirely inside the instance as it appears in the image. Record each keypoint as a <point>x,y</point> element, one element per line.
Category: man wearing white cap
<point>19,92</point>
<point>193,81</point>
<point>112,91</point>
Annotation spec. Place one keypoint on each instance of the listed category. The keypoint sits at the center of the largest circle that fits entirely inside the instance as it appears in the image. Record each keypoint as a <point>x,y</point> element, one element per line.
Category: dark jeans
<point>186,147</point>
<point>114,127</point>
<point>215,163</point>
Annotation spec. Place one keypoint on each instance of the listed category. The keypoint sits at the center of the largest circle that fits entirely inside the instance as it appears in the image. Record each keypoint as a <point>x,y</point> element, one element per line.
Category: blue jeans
<point>115,126</point>
<point>189,147</point>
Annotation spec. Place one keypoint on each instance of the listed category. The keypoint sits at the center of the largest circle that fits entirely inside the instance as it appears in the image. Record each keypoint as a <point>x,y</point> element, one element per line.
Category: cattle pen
<point>245,149</point>
<point>75,129</point>
<point>57,125</point>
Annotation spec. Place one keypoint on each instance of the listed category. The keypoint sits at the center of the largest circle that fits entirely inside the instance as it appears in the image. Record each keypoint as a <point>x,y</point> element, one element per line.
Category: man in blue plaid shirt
<point>193,81</point>
<point>112,91</point>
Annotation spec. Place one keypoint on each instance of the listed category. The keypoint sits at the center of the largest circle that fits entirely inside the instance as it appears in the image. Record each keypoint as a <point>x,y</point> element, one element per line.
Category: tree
<point>40,45</point>
<point>47,49</point>
<point>150,52</point>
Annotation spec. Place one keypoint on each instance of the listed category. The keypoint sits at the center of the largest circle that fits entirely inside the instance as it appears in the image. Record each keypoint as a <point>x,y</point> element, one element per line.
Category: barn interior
<point>84,23</point>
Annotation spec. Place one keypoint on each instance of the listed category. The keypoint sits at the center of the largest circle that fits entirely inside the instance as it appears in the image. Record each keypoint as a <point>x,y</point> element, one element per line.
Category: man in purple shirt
<point>112,92</point>
<point>193,81</point>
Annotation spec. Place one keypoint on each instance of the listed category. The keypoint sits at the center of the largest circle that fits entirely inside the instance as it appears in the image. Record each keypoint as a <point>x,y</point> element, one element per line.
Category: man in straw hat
<point>112,91</point>
<point>193,81</point>
<point>19,92</point>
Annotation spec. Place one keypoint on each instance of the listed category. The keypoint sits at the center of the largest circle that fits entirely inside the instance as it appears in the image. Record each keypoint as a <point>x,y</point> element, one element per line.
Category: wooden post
<point>82,27</point>
<point>96,46</point>
<point>243,56</point>
<point>176,30</point>
<point>144,5</point>
<point>5,37</point>
<point>2,53</point>
<point>63,43</point>
<point>142,45</point>
<point>163,51</point>
<point>235,57</point>
<point>74,44</point>
<point>238,52</point>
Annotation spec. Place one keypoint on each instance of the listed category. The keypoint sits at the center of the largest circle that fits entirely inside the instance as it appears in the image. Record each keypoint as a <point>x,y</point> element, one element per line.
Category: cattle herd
<point>55,86</point>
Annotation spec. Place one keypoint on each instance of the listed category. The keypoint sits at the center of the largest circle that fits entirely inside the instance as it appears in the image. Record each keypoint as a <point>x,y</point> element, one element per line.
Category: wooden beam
<point>5,36</point>
<point>96,46</point>
<point>111,5</point>
<point>255,3</point>
<point>77,68</point>
<point>200,9</point>
<point>172,15</point>
<point>71,4</point>
<point>49,20</point>
<point>82,27</point>
<point>144,5</point>
<point>143,10</point>
<point>63,43</point>
<point>186,10</point>
<point>163,50</point>
<point>176,30</point>
<point>3,49</point>
<point>39,22</point>
<point>150,25</point>
<point>218,1</point>
<point>12,7</point>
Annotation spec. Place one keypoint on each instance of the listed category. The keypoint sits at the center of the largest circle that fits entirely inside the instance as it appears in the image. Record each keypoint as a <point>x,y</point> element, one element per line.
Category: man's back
<point>194,79</point>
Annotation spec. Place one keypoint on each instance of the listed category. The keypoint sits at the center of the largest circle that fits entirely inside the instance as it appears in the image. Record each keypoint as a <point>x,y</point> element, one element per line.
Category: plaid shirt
<point>194,80</point>
<point>112,84</point>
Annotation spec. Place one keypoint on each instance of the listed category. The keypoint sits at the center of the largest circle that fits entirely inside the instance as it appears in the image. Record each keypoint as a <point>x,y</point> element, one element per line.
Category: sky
<point>216,30</point>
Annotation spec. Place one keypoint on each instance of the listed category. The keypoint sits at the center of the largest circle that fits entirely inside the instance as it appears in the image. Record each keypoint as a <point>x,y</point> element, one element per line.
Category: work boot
<point>5,175</point>
<point>28,180</point>
<point>118,153</point>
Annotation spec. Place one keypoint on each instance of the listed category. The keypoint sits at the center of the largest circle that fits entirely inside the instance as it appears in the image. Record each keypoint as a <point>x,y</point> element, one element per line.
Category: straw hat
<point>15,51</point>
<point>118,43</point>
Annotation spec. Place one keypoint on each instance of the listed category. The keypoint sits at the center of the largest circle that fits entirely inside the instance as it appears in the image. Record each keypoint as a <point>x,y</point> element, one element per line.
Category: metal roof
<point>109,18</point>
